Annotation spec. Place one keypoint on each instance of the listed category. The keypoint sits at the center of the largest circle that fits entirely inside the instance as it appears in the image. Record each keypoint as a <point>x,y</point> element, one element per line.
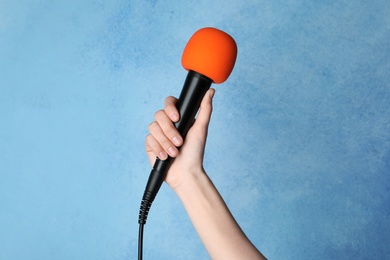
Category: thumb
<point>206,107</point>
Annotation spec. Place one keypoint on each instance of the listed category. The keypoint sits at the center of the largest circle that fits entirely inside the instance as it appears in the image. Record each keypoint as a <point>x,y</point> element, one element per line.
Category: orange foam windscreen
<point>210,52</point>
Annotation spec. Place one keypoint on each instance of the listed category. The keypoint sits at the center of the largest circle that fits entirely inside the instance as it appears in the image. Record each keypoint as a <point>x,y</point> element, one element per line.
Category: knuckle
<point>148,139</point>
<point>169,100</point>
<point>152,126</point>
<point>170,103</point>
<point>151,144</point>
<point>158,114</point>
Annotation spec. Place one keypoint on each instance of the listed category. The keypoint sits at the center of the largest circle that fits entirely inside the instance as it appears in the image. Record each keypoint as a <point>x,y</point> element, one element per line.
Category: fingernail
<point>162,156</point>
<point>172,151</point>
<point>174,116</point>
<point>212,93</point>
<point>176,140</point>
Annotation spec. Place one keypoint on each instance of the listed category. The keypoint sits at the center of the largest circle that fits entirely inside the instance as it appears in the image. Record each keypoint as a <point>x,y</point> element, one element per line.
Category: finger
<point>154,149</point>
<point>156,131</point>
<point>170,108</point>
<point>168,128</point>
<point>206,108</point>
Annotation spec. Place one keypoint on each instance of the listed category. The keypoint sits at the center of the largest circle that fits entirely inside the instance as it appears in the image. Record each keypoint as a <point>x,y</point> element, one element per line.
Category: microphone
<point>209,57</point>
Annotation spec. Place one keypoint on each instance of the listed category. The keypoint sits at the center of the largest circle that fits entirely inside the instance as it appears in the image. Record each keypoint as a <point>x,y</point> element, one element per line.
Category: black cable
<point>140,240</point>
<point>146,203</point>
<point>143,215</point>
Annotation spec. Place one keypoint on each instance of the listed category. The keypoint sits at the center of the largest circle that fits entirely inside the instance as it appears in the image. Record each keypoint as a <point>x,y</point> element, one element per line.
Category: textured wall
<point>299,144</point>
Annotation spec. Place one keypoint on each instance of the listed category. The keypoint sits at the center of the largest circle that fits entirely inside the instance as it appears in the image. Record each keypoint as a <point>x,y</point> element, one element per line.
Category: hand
<point>216,226</point>
<point>165,140</point>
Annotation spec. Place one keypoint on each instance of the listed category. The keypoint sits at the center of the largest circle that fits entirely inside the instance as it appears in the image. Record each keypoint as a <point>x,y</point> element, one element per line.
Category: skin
<point>216,226</point>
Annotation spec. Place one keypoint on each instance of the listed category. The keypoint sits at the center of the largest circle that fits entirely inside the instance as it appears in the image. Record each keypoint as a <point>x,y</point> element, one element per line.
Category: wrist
<point>187,181</point>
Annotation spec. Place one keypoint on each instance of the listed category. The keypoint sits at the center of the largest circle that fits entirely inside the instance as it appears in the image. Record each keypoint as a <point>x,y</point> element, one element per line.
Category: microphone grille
<point>210,52</point>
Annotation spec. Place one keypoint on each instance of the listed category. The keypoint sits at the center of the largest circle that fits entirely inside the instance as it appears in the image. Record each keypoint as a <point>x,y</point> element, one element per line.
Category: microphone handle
<point>194,89</point>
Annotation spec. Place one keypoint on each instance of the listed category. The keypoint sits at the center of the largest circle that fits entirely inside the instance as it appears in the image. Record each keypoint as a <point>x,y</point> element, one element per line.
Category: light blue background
<point>299,142</point>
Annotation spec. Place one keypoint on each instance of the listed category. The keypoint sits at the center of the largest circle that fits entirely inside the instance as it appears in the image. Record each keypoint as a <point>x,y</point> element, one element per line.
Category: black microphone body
<point>194,89</point>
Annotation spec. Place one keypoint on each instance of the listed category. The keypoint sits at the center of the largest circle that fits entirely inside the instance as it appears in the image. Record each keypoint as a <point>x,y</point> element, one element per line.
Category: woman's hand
<point>216,226</point>
<point>165,140</point>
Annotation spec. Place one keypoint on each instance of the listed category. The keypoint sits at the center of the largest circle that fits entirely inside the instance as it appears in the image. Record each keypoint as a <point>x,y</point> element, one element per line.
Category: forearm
<point>217,228</point>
